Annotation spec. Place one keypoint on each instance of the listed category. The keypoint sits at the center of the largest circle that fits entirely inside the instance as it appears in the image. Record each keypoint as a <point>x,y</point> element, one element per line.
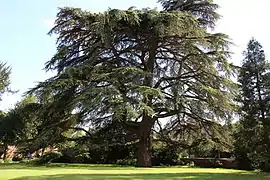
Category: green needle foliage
<point>137,67</point>
<point>20,125</point>
<point>203,10</point>
<point>252,136</point>
<point>5,72</point>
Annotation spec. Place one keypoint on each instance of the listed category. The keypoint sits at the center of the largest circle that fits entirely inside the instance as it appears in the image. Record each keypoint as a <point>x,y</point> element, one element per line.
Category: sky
<point>26,47</point>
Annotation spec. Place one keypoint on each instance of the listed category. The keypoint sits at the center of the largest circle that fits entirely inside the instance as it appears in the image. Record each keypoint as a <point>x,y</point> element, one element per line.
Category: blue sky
<point>25,45</point>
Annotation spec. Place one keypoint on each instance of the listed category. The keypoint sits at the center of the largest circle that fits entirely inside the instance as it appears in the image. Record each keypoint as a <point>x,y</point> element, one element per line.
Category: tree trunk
<point>144,150</point>
<point>145,128</point>
<point>145,142</point>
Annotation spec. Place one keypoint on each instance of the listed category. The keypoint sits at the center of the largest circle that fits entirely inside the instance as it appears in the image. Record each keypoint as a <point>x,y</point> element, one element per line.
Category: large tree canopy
<point>137,67</point>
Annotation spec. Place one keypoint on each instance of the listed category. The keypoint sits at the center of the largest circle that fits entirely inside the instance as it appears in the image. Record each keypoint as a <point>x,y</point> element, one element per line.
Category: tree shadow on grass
<point>155,176</point>
<point>87,166</point>
<point>11,166</point>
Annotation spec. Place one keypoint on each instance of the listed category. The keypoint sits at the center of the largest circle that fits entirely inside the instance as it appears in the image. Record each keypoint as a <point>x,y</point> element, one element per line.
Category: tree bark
<point>144,149</point>
<point>145,127</point>
<point>145,142</point>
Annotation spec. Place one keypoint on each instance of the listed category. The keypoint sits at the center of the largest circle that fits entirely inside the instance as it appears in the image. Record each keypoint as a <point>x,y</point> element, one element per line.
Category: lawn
<point>92,172</point>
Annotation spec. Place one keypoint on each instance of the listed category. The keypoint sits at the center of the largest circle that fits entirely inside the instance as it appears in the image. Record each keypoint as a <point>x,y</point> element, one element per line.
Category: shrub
<point>17,159</point>
<point>191,164</point>
<point>165,155</point>
<point>212,162</point>
<point>46,158</point>
<point>127,162</point>
<point>8,160</point>
<point>24,161</point>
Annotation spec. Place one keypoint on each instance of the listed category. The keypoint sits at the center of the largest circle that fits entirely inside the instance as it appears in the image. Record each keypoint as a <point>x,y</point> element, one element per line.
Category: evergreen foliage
<point>137,67</point>
<point>252,136</point>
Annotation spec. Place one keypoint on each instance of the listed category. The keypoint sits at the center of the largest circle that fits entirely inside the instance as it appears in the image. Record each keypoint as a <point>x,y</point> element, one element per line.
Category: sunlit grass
<point>85,172</point>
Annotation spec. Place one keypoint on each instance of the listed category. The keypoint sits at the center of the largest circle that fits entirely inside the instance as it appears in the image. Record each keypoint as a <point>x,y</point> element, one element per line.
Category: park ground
<point>97,172</point>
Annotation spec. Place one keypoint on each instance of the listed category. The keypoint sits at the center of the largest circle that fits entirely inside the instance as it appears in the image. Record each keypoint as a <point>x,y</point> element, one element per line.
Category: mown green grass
<point>96,172</point>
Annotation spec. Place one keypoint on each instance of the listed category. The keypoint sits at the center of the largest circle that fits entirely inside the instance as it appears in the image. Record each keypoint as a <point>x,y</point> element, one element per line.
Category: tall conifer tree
<point>252,145</point>
<point>138,67</point>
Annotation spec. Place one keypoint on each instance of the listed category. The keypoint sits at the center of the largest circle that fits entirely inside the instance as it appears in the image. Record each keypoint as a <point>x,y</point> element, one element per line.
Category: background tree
<point>252,137</point>
<point>19,125</point>
<point>26,111</point>
<point>136,67</point>
<point>5,72</point>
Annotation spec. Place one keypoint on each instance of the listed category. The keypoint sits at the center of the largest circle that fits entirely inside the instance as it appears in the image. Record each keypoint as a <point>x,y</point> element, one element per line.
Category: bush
<point>185,162</point>
<point>46,158</point>
<point>211,162</point>
<point>8,160</point>
<point>5,161</point>
<point>35,162</point>
<point>24,161</point>
<point>64,159</point>
<point>191,164</point>
<point>127,162</point>
<point>244,163</point>
<point>165,156</point>
<point>17,159</point>
<point>205,162</point>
